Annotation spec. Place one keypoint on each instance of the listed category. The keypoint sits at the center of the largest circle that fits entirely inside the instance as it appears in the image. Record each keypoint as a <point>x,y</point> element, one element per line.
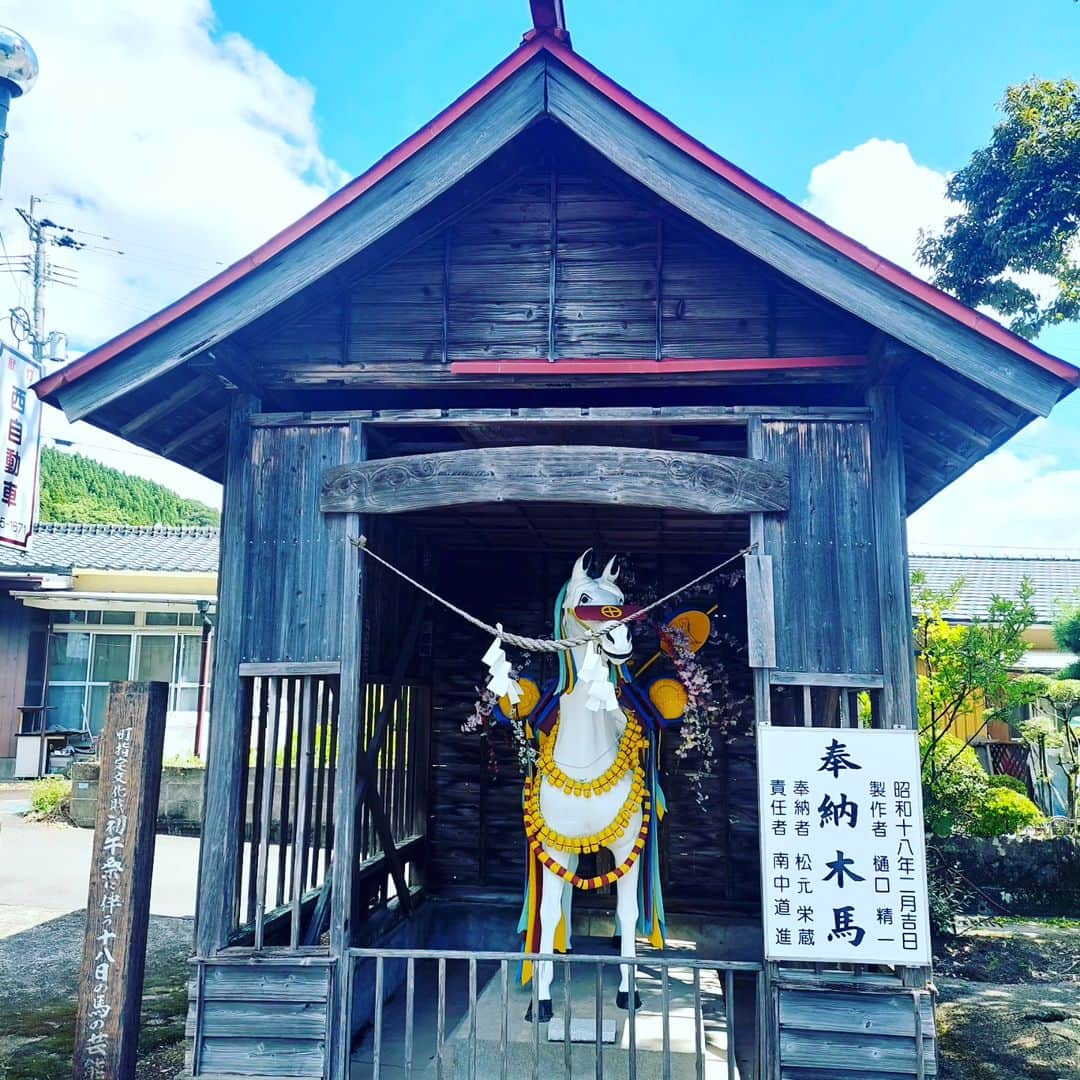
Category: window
<point>86,653</point>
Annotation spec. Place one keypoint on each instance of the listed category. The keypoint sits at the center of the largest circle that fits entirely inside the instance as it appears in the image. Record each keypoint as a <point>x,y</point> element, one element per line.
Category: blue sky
<point>775,86</point>
<point>225,119</point>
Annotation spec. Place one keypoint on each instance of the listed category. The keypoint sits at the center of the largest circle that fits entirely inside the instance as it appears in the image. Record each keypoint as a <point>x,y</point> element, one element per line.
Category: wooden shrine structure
<point>548,280</point>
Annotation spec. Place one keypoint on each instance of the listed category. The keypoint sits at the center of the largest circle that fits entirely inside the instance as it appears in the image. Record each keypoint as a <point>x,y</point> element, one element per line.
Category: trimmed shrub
<point>1012,783</point>
<point>955,785</point>
<point>1005,812</point>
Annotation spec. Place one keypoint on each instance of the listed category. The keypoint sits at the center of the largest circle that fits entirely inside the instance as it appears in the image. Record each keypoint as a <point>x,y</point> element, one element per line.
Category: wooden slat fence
<point>291,713</point>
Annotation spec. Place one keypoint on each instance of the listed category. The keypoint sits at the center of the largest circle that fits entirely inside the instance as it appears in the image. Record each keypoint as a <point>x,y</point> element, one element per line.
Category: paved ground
<point>45,869</point>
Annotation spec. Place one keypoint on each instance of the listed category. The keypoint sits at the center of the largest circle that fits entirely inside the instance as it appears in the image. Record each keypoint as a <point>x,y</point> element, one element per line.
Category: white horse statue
<point>588,790</point>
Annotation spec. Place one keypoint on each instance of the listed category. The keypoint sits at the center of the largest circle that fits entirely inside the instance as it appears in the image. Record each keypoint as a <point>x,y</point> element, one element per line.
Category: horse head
<point>598,602</point>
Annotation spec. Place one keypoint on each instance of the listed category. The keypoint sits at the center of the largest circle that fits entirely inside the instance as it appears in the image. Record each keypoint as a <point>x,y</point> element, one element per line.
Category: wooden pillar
<point>345,809</point>
<point>890,534</point>
<point>224,802</point>
<point>118,907</point>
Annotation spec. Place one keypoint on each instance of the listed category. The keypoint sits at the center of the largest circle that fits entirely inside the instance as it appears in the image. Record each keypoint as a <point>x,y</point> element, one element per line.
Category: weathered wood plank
<point>824,565</point>
<point>265,1057</point>
<point>594,474</point>
<point>894,583</point>
<point>734,415</point>
<point>114,946</point>
<point>760,612</point>
<point>251,980</point>
<point>248,669</point>
<point>826,678</point>
<point>265,1019</point>
<point>350,583</point>
<point>224,805</point>
<point>865,1014</point>
<point>827,1051</point>
<point>706,197</point>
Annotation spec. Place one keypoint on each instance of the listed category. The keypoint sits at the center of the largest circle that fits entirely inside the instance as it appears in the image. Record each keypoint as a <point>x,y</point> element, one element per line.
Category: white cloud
<point>1025,496</point>
<point>186,148</point>
<point>880,195</point>
<point>1004,501</point>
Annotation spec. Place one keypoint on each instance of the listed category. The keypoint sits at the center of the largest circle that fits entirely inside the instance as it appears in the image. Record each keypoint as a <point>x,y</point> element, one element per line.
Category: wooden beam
<point>225,798</point>
<point>671,365</point>
<point>760,612</point>
<point>731,415</point>
<point>350,705</point>
<point>670,479</point>
<point>215,421</point>
<point>890,536</point>
<point>170,402</point>
<point>865,681</point>
<point>290,668</point>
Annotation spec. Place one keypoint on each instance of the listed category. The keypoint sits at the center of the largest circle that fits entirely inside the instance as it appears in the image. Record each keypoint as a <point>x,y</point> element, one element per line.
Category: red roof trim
<point>649,367</point>
<point>663,127</point>
<point>311,220</point>
<point>895,275</point>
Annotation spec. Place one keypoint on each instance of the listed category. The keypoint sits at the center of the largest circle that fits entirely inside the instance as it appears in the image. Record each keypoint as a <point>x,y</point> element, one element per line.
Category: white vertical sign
<point>20,432</point>
<point>843,859</point>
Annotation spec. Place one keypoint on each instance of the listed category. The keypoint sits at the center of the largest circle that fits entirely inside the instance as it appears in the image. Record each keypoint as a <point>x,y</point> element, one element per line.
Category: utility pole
<point>41,231</point>
<point>37,276</point>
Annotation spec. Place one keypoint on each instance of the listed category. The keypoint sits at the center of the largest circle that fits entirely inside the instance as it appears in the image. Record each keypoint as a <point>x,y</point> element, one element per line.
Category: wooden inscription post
<point>118,908</point>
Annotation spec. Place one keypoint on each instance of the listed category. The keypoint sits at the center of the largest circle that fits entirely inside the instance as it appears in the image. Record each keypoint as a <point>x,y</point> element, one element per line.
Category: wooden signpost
<point>118,908</point>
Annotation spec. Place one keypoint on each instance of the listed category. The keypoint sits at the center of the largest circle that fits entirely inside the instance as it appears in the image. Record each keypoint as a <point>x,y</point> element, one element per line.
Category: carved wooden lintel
<point>619,476</point>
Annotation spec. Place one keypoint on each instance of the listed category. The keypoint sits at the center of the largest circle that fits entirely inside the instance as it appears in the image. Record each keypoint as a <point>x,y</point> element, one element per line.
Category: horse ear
<point>611,571</point>
<point>580,567</point>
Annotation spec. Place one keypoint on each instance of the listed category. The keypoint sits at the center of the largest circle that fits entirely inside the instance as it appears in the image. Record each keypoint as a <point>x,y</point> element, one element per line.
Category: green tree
<point>76,488</point>
<point>1057,729</point>
<point>964,665</point>
<point>1019,213</point>
<point>1067,634</point>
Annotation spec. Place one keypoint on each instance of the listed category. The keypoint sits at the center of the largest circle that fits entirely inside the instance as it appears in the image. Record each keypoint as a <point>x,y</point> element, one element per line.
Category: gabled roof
<point>64,547</point>
<point>986,576</point>
<point>544,44</point>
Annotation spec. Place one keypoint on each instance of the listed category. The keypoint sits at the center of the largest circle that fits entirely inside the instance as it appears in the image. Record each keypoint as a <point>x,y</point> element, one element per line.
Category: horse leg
<point>568,899</point>
<point>551,902</point>
<point>626,913</point>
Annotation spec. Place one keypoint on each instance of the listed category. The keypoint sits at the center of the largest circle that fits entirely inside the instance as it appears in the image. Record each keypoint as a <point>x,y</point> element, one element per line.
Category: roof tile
<point>62,547</point>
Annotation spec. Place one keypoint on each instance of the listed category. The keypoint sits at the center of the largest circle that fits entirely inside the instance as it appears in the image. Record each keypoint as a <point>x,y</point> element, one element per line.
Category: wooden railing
<point>291,720</point>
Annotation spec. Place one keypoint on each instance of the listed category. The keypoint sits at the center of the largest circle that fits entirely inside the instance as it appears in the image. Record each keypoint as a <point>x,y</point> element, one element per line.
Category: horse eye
<point>585,599</point>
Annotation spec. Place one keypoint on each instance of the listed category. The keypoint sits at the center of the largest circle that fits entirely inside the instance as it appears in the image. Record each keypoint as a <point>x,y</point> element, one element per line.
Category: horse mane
<point>567,667</point>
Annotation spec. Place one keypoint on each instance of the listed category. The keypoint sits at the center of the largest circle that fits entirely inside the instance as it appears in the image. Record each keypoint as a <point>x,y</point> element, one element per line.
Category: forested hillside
<point>76,488</point>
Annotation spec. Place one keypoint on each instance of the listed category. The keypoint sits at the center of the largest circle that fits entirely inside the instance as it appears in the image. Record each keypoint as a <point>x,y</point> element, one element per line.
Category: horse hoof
<point>544,1011</point>
<point>622,1000</point>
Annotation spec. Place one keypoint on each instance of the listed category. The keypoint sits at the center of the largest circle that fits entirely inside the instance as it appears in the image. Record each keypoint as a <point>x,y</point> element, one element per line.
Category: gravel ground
<point>38,986</point>
<point>1009,1002</point>
<point>42,963</point>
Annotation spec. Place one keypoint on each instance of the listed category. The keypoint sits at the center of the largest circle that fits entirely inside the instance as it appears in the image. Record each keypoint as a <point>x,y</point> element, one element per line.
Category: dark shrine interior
<point>506,562</point>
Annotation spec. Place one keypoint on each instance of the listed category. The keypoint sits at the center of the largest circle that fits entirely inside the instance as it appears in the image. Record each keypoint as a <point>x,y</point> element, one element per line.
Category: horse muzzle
<point>616,644</point>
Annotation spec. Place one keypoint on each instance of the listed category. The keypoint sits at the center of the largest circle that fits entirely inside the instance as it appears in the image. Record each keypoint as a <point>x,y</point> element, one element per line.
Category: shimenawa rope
<point>530,644</point>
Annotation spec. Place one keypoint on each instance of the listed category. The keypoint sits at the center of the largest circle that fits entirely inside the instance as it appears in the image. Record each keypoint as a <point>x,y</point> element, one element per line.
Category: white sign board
<point>843,860</point>
<point>20,429</point>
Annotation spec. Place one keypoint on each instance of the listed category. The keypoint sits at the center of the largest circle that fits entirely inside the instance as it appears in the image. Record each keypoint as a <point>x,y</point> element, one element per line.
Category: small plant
<point>184,761</point>
<point>1005,812</point>
<point>50,799</point>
